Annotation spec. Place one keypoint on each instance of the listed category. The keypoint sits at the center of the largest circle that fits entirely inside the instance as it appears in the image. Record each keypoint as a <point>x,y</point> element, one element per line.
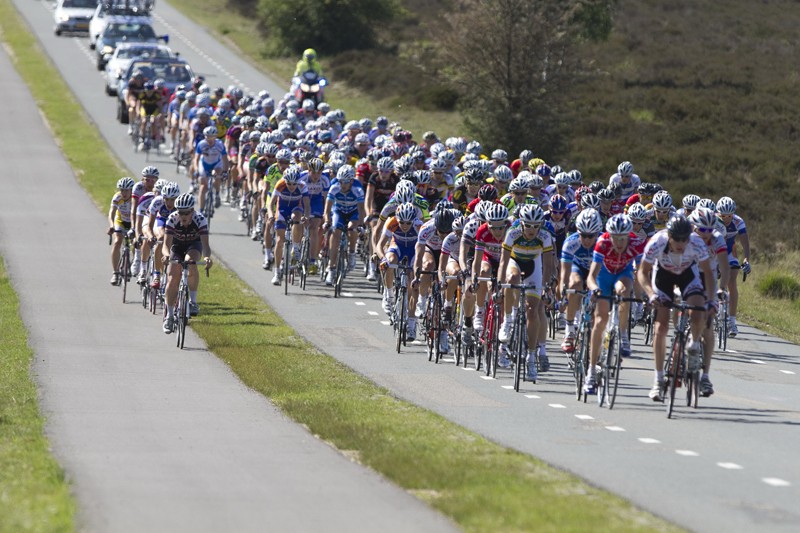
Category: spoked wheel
<point>605,374</point>
<point>286,262</point>
<point>183,312</point>
<point>304,250</point>
<point>673,374</point>
<point>125,270</point>
<point>692,388</point>
<point>520,351</point>
<point>615,377</point>
<point>579,368</point>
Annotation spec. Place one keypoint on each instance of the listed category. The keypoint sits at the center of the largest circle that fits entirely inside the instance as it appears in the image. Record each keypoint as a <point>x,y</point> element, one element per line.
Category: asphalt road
<point>154,438</point>
<point>730,464</point>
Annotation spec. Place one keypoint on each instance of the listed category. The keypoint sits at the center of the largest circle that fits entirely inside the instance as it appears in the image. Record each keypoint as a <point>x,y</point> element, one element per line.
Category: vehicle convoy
<point>73,16</point>
<point>174,71</point>
<point>124,31</point>
<point>117,11</point>
<point>117,65</point>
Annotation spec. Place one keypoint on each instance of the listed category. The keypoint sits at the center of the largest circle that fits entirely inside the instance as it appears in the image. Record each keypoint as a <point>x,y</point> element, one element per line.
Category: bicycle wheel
<point>605,372</point>
<point>304,250</point>
<point>437,324</point>
<point>184,313</point>
<point>427,326</point>
<point>286,262</point>
<point>153,300</point>
<point>339,278</point>
<point>673,372</point>
<point>397,319</point>
<point>125,269</point>
<point>585,360</point>
<point>615,374</point>
<point>520,344</point>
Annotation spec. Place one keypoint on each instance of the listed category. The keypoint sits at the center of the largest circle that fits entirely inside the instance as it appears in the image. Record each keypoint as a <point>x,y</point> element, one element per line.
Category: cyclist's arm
<point>505,255</point>
<point>272,205</point>
<point>328,208</point>
<point>724,268</point>
<point>370,198</point>
<point>708,275</point>
<point>206,247</point>
<point>112,214</point>
<point>744,239</point>
<point>381,245</point>
<point>361,214</point>
<point>419,253</point>
<point>548,266</point>
<point>643,274</point>
<point>167,245</point>
<point>566,270</point>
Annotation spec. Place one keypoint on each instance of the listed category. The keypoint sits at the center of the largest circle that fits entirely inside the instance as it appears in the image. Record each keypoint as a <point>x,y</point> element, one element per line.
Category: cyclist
<point>488,248</point>
<point>449,264</point>
<point>689,203</point>
<point>132,90</point>
<point>317,182</point>
<point>186,238</point>
<point>150,175</point>
<point>675,257</point>
<point>211,158</point>
<point>661,210</point>
<point>628,181</point>
<point>344,212</point>
<point>150,105</point>
<point>289,199</point>
<point>576,259</point>
<point>705,225</point>
<point>466,193</point>
<point>160,209</point>
<point>611,273</point>
<point>119,221</point>
<point>141,225</point>
<point>526,260</point>
<point>735,228</point>
<point>517,194</point>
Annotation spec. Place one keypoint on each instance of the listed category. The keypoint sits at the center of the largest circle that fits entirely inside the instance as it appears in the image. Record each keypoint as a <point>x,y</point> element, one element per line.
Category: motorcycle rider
<point>308,62</point>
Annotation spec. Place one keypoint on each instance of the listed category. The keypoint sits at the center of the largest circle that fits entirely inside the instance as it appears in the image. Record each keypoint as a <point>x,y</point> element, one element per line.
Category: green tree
<point>513,62</point>
<point>330,26</point>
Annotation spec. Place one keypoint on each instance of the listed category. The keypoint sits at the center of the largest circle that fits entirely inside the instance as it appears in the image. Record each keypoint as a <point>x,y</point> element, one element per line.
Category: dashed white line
<point>584,417</point>
<point>347,294</point>
<point>775,482</point>
<point>508,387</point>
<point>615,428</point>
<point>648,440</point>
<point>487,377</point>
<point>385,322</point>
<point>788,372</point>
<point>730,466</point>
<point>687,453</point>
<point>468,368</point>
<point>360,303</point>
<point>533,396</point>
<point>557,406</point>
<point>757,361</point>
<point>372,313</point>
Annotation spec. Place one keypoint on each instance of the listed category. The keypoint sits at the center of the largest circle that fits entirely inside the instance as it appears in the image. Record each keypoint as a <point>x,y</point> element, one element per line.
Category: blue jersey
<point>210,154</point>
<point>732,230</point>
<point>174,107</point>
<point>346,202</point>
<point>573,252</point>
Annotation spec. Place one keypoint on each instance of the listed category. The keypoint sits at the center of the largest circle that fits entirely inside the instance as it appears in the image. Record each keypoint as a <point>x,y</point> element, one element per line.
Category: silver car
<point>117,65</point>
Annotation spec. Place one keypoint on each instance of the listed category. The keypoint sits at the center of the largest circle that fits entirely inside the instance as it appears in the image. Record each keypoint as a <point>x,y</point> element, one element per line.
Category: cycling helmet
<point>480,209</point>
<point>191,96</point>
<point>562,179</point>
<point>346,174</point>
<point>362,138</point>
<point>503,174</point>
<point>404,196</point>
<point>637,212</point>
<point>261,148</point>
<point>596,186</point>
<point>474,147</point>
<point>616,188</point>
<point>575,177</point>
<point>203,100</point>
<point>707,203</point>
<point>655,187</point>
<point>272,149</point>
<point>535,162</point>
<point>726,206</point>
<point>679,228</point>
<point>704,218</point>
<point>180,95</point>
<point>284,155</point>
<point>525,156</point>
<point>606,195</point>
<point>447,156</point>
<point>316,165</point>
<point>423,177</point>
<point>402,166</point>
<point>438,165</point>
<point>690,201</point>
<point>625,169</point>
<point>149,86</point>
<point>589,221</point>
<point>224,103</point>
<point>443,204</point>
<point>488,192</point>
<point>520,183</point>
<point>170,190</point>
<point>590,201</point>
<point>125,184</point>
<point>159,185</point>
<point>619,225</point>
<point>474,175</point>
<point>406,184</point>
<point>385,164</point>
<point>458,145</point>
<point>443,220</point>
<point>662,200</point>
<point>544,171</point>
<point>184,201</point>
<point>531,214</point>
<point>291,174</point>
<point>496,213</point>
<point>150,171</point>
<point>405,212</point>
<point>210,131</point>
<point>236,92</point>
<point>535,181</point>
<point>556,169</point>
<point>458,222</point>
<point>500,155</point>
<point>558,203</point>
<point>583,189</point>
<point>644,189</point>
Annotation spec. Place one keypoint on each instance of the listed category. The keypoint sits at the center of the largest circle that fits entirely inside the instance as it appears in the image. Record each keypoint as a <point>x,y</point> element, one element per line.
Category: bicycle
<point>432,319</point>
<point>208,206</point>
<point>399,317</point>
<point>610,360</point>
<point>519,333</point>
<point>341,262</point>
<point>287,267</point>
<point>675,367</point>
<point>579,358</point>
<point>488,345</point>
<point>454,323</point>
<point>302,263</point>
<point>721,323</point>
<point>124,265</point>
<point>145,284</point>
<point>182,312</point>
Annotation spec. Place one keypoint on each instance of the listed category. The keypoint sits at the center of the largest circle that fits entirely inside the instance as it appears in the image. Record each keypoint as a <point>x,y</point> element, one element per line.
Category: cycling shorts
<point>179,250</point>
<point>401,252</point>
<point>733,261</point>
<point>284,214</point>
<point>530,275</point>
<point>148,110</point>
<point>688,282</point>
<point>207,168</point>
<point>582,272</point>
<point>161,222</point>
<point>340,220</point>
<point>121,226</point>
<point>436,254</point>
<point>317,204</point>
<point>606,280</point>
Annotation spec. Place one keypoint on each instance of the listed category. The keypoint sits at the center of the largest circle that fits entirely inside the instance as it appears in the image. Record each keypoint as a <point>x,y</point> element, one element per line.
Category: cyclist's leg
<point>202,178</point>
<point>280,237</point>
<point>193,254</point>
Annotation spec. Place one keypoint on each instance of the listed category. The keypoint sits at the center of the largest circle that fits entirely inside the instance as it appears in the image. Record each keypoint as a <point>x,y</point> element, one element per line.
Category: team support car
<point>121,32</point>
<point>107,12</point>
<point>72,16</point>
<point>174,72</point>
<point>117,65</point>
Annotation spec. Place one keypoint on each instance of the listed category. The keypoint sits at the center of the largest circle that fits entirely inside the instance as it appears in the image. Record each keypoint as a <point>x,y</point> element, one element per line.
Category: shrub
<point>779,285</point>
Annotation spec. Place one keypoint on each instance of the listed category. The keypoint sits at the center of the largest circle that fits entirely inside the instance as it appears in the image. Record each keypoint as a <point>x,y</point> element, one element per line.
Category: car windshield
<point>172,73</point>
<point>143,51</point>
<point>90,4</point>
<point>130,30</point>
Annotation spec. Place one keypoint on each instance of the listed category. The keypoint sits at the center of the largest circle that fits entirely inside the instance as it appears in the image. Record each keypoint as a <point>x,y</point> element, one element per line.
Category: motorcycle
<point>309,86</point>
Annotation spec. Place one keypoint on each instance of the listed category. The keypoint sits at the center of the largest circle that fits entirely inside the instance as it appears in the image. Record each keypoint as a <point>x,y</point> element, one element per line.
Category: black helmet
<point>474,175</point>
<point>443,220</point>
<point>679,228</point>
<point>488,192</point>
<point>596,186</point>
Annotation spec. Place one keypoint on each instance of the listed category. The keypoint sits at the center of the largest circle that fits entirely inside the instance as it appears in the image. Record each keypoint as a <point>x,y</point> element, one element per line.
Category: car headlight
<point>63,18</point>
<point>315,88</point>
<point>107,50</point>
<point>305,88</point>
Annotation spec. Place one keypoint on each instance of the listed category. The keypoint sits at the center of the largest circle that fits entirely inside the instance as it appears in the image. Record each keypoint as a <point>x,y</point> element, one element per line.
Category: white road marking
<point>731,351</point>
<point>756,361</point>
<point>360,303</point>
<point>372,313</point>
<point>557,406</point>
<point>468,368</point>
<point>730,466</point>
<point>775,482</point>
<point>508,387</point>
<point>487,377</point>
<point>615,428</point>
<point>584,417</point>
<point>648,440</point>
<point>788,372</point>
<point>687,453</point>
<point>347,294</point>
<point>533,396</point>
<point>385,322</point>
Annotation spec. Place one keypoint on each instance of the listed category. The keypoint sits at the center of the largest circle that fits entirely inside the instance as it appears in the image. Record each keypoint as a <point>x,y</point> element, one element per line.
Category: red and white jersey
<point>657,250</point>
<point>613,261</point>
<point>486,243</point>
<point>429,237</point>
<point>715,246</point>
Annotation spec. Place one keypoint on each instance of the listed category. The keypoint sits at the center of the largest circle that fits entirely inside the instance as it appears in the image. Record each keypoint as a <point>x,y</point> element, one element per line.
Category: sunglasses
<point>520,193</point>
<point>497,228</point>
<point>705,230</point>
<point>557,212</point>
<point>531,226</point>
<point>662,211</point>
<point>404,223</point>
<point>185,212</point>
<point>588,235</point>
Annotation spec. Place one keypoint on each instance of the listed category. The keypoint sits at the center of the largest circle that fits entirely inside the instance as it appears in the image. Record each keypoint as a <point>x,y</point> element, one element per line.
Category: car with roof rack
<point>174,71</point>
<point>125,53</point>
<point>118,10</point>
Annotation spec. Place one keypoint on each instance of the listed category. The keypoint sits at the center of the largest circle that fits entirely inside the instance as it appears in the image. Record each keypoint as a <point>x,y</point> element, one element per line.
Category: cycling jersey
<point>613,261</point>
<point>289,200</point>
<point>150,102</point>
<point>552,190</point>
<point>659,224</point>
<point>123,214</point>
<point>403,243</point>
<point>524,250</point>
<point>139,188</point>
<point>211,153</point>
<point>657,250</point>
<point>346,202</point>
<point>317,192</point>
<point>511,204</point>
<point>628,189</point>
<point>158,208</point>
<point>574,252</point>
<point>451,246</point>
<point>419,202</point>
<point>191,232</point>
<point>735,227</point>
<point>143,204</point>
<point>429,237</point>
<point>462,198</point>
<point>715,246</point>
<point>382,188</point>
<point>486,244</point>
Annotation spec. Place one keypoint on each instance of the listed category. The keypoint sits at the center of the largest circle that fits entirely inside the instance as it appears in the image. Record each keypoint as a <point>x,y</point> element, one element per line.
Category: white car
<point>73,16</point>
<point>131,10</point>
<point>120,60</point>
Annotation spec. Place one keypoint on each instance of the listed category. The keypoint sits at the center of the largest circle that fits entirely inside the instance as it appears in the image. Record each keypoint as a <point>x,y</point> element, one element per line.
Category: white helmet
<point>625,169</point>
<point>496,213</point>
<point>662,200</point>
<point>589,221</point>
<point>619,225</point>
<point>726,206</point>
<point>637,212</point>
<point>703,217</point>
<point>184,201</point>
<point>531,214</point>
<point>406,212</point>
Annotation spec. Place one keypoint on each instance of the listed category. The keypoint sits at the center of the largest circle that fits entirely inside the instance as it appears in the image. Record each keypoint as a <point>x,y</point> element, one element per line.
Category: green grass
<point>776,284</point>
<point>34,495</point>
<point>440,462</point>
<point>778,310</point>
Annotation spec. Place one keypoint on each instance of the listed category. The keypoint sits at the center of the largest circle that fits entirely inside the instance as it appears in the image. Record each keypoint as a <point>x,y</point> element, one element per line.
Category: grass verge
<point>419,450</point>
<point>34,495</point>
<point>778,316</point>
<point>241,33</point>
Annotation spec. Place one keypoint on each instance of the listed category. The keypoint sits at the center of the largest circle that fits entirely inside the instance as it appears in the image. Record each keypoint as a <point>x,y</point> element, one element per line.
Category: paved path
<point>154,438</point>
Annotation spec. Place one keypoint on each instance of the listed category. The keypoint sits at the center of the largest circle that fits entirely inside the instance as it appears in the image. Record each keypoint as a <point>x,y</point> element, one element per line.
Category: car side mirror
<point>165,38</point>
<point>106,57</point>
